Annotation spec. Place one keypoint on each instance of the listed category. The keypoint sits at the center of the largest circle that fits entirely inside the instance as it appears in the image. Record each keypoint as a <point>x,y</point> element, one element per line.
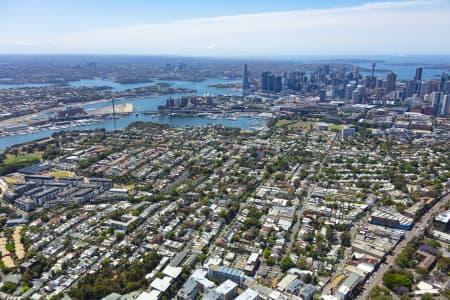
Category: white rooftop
<point>253,258</point>
<point>161,284</point>
<point>443,217</point>
<point>366,267</point>
<point>329,297</point>
<point>226,287</point>
<point>153,295</point>
<point>248,294</point>
<point>424,286</point>
<point>173,272</point>
<point>282,285</point>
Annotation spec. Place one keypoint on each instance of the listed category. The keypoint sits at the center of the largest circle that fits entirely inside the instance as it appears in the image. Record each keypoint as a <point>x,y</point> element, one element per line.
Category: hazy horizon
<point>412,58</point>
<point>260,29</point>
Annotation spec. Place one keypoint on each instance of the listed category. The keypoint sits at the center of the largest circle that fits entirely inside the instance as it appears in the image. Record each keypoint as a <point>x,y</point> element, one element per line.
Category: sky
<point>225,28</point>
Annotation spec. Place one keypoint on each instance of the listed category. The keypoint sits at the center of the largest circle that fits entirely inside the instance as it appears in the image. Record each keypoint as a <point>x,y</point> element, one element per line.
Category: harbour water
<point>22,85</point>
<point>403,72</point>
<point>145,104</point>
<point>404,67</point>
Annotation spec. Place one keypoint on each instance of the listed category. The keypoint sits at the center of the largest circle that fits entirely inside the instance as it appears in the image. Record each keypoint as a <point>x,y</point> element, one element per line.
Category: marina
<point>139,112</point>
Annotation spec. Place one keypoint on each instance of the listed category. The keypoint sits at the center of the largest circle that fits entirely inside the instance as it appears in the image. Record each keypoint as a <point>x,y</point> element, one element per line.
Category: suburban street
<point>311,187</point>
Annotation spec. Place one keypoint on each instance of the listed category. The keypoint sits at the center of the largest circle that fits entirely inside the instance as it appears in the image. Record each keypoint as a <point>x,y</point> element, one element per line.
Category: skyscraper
<point>322,94</point>
<point>356,72</point>
<point>277,83</point>
<point>349,91</point>
<point>418,79</point>
<point>294,81</point>
<point>271,82</point>
<point>265,80</point>
<point>245,82</point>
<point>424,89</point>
<point>444,79</point>
<point>391,80</point>
<point>445,106</point>
<point>418,74</point>
<point>410,88</point>
<point>436,101</point>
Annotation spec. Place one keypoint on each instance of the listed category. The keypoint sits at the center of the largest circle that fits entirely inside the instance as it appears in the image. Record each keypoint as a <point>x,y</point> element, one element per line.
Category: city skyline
<point>233,30</point>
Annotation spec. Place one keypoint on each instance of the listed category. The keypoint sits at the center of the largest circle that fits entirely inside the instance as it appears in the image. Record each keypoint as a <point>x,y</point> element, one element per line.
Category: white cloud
<point>410,27</point>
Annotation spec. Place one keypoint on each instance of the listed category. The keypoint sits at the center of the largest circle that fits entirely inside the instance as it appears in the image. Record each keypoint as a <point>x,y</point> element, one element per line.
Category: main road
<point>376,279</point>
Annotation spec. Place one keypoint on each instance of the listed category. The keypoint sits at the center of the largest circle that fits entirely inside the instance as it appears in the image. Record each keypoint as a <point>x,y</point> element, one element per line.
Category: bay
<point>141,105</point>
<point>21,85</point>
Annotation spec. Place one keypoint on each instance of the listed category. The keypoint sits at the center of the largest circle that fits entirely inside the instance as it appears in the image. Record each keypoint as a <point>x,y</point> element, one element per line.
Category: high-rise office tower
<point>419,72</point>
<point>425,89</point>
<point>245,82</point>
<point>313,77</point>
<point>379,83</point>
<point>410,88</point>
<point>356,72</point>
<point>322,94</point>
<point>418,79</point>
<point>418,88</point>
<point>265,80</point>
<point>359,94</point>
<point>277,83</point>
<point>349,91</point>
<point>284,78</point>
<point>444,79</point>
<point>297,80</point>
<point>368,81</point>
<point>445,108</point>
<point>271,82</point>
<point>391,80</point>
<point>446,89</point>
<point>436,99</point>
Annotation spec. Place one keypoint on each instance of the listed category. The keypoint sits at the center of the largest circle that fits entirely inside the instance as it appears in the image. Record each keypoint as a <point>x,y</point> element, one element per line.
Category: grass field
<point>335,127</point>
<point>301,124</point>
<point>60,173</point>
<point>12,163</point>
<point>283,122</point>
<point>294,124</point>
<point>304,125</point>
<point>123,186</point>
<point>22,158</point>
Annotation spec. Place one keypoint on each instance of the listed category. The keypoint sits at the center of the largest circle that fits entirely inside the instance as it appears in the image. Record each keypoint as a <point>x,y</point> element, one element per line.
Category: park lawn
<point>283,122</point>
<point>60,173</point>
<point>335,127</point>
<point>302,124</point>
<point>12,163</point>
<point>22,158</point>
